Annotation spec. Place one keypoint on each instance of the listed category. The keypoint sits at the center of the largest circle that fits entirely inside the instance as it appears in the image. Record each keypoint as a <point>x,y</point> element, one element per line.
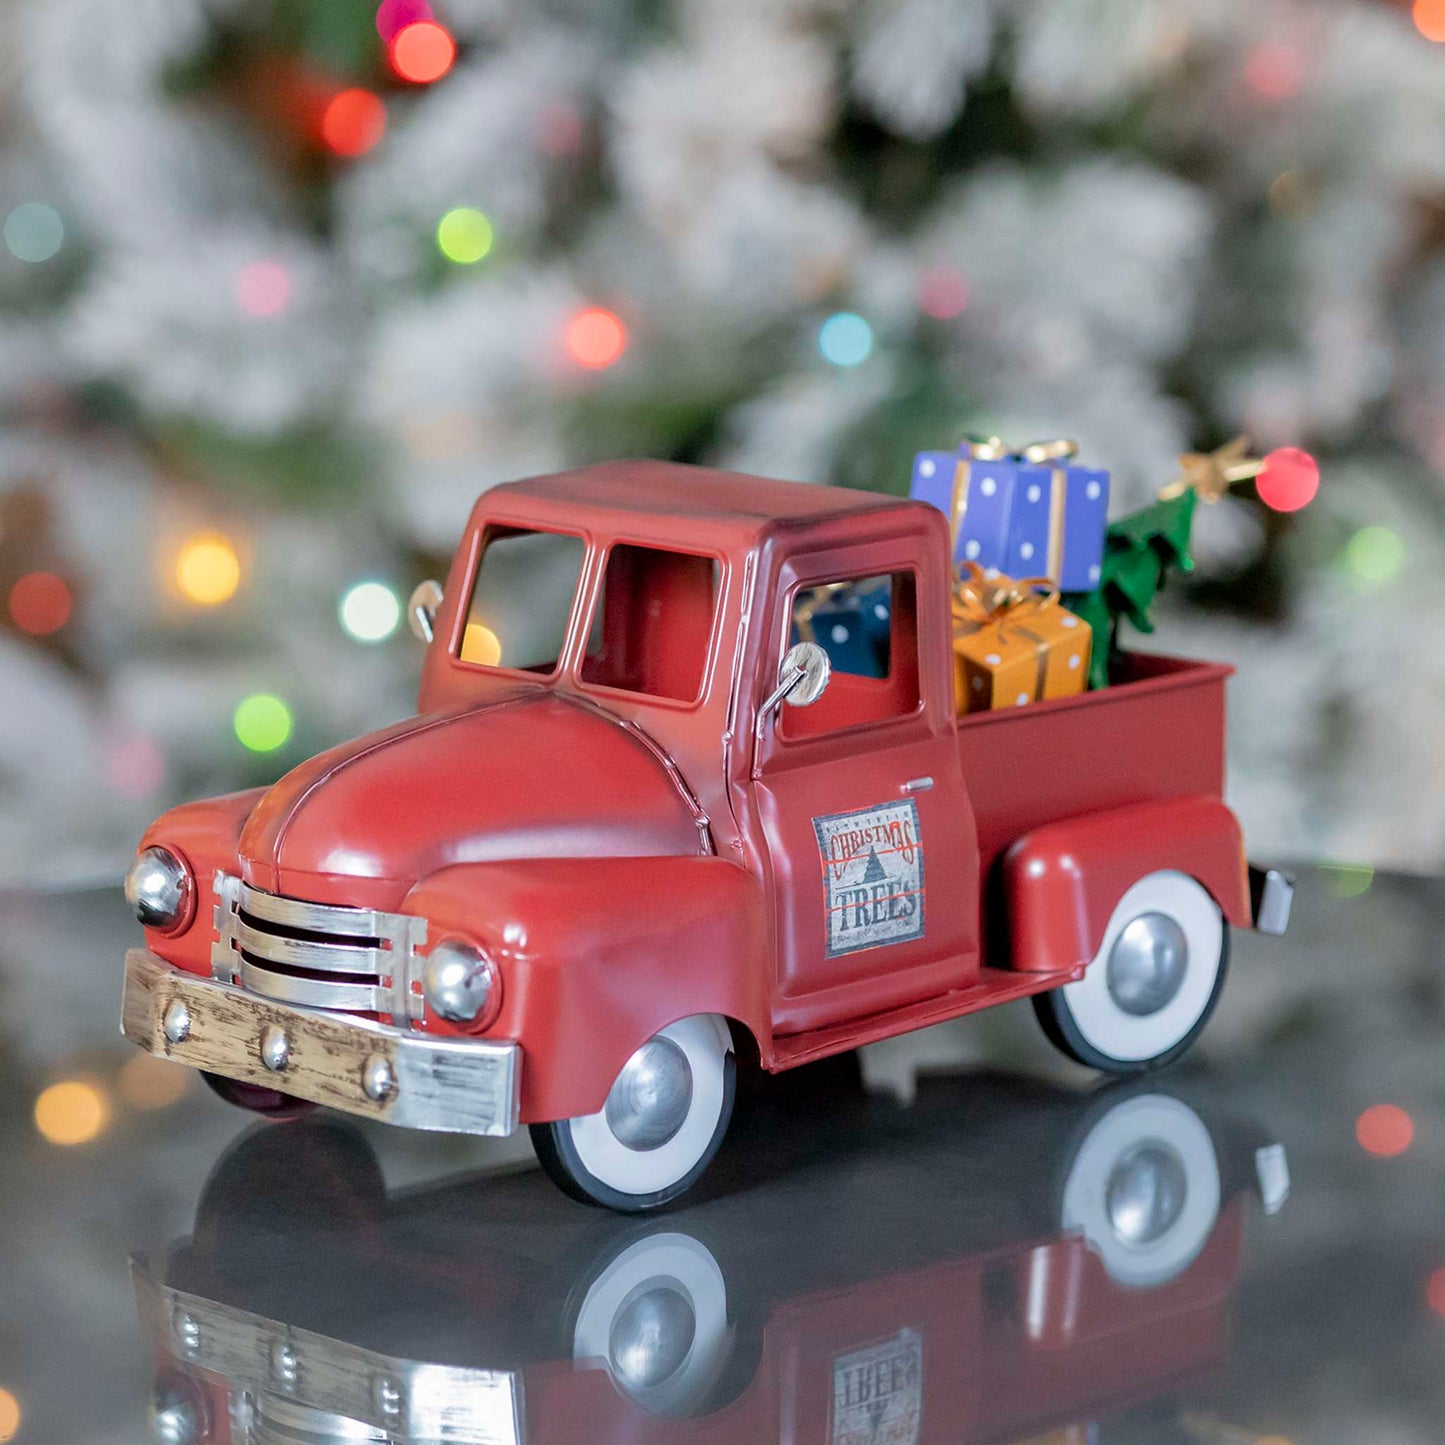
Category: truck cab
<point>640,826</point>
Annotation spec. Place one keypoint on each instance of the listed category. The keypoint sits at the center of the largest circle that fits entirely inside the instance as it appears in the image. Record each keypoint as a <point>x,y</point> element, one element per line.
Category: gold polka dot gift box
<point>1014,642</point>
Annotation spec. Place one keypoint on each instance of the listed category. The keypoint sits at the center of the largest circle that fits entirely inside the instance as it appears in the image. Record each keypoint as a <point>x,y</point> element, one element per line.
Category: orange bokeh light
<point>353,122</point>
<point>72,1112</point>
<point>1385,1130</point>
<point>595,338</point>
<point>423,52</point>
<point>1430,19</point>
<point>40,603</point>
<point>9,1416</point>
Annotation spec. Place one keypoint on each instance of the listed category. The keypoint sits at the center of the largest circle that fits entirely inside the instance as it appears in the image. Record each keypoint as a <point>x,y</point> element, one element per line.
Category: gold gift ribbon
<point>980,601</point>
<point>1038,454</point>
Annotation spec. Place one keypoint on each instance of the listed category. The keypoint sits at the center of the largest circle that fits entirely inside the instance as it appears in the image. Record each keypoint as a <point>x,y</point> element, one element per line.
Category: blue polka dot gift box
<point>851,624</point>
<point>1036,512</point>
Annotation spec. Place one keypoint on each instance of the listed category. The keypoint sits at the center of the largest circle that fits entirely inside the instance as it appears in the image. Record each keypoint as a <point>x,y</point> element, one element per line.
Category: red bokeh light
<point>1275,71</point>
<point>595,338</point>
<point>263,288</point>
<point>1385,1130</point>
<point>393,16</point>
<point>135,767</point>
<point>1289,481</point>
<point>942,293</point>
<point>40,603</point>
<point>560,129</point>
<point>1435,1291</point>
<point>1430,19</point>
<point>422,52</point>
<point>353,122</point>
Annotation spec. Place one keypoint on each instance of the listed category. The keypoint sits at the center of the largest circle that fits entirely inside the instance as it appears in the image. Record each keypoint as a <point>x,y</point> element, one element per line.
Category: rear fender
<point>598,955</point>
<point>1062,881</point>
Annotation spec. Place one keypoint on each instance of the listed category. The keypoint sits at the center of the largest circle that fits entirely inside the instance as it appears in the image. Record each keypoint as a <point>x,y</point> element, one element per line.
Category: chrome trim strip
<point>406,1399</point>
<point>464,1086</point>
<point>315,992</point>
<point>324,957</point>
<point>315,917</point>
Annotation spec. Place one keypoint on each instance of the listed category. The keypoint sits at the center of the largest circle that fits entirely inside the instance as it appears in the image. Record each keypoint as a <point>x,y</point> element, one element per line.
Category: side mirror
<point>802,678</point>
<point>421,611</point>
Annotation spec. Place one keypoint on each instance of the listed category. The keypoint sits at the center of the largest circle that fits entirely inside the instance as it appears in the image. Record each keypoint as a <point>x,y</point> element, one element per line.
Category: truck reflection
<point>1000,1261</point>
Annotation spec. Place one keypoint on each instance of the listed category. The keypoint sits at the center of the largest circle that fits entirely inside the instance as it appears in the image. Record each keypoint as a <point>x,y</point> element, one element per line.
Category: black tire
<point>559,1155</point>
<point>257,1098</point>
<point>1058,1011</point>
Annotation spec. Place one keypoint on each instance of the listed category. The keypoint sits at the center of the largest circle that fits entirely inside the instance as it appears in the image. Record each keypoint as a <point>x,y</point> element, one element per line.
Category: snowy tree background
<point>226,315</point>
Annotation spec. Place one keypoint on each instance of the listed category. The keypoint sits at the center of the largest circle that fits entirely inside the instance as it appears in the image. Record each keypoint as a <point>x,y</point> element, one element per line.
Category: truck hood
<point>525,775</point>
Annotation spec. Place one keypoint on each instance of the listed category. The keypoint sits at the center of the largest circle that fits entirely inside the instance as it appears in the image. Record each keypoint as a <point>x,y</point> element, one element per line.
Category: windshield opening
<point>522,599</point>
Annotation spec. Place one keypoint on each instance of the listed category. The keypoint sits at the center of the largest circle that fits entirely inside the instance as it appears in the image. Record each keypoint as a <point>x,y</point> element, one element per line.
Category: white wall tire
<point>662,1123</point>
<point>1150,989</point>
<point>657,1318</point>
<point>1144,1190</point>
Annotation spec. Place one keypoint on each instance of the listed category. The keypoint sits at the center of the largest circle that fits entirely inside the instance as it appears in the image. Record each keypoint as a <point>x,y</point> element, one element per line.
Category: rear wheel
<point>663,1121</point>
<point>1153,984</point>
<point>257,1098</point>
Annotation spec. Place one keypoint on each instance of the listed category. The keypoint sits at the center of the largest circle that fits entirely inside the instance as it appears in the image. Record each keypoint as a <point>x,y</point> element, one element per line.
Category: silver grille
<point>316,955</point>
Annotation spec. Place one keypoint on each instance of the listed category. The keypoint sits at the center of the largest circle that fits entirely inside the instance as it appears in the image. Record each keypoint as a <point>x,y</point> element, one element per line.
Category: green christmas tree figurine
<point>1140,550</point>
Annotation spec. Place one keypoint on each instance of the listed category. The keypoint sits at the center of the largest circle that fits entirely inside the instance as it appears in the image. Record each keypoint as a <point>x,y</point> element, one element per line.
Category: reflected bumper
<point>1271,896</point>
<point>328,1385</point>
<point>394,1075</point>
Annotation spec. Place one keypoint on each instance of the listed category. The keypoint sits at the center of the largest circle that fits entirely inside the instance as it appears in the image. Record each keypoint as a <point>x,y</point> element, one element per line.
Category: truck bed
<point>1157,733</point>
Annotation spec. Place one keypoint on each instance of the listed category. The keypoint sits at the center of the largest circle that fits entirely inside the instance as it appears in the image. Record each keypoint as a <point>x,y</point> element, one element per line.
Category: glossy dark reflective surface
<point>1013,1254</point>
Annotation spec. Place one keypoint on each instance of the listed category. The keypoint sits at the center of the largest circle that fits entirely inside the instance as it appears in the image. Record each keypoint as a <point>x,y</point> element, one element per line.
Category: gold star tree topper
<point>1212,473</point>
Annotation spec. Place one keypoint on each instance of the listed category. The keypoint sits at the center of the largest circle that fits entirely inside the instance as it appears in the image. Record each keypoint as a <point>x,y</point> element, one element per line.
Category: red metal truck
<point>636,830</point>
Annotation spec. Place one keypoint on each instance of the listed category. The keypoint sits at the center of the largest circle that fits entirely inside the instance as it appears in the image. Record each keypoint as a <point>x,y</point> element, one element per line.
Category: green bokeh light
<point>262,722</point>
<point>1374,555</point>
<point>464,235</point>
<point>1348,880</point>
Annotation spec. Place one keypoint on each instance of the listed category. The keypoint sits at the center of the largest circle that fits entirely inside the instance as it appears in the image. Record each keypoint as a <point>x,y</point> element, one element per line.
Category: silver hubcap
<point>1147,964</point>
<point>1145,1193</point>
<point>651,1097</point>
<point>651,1337</point>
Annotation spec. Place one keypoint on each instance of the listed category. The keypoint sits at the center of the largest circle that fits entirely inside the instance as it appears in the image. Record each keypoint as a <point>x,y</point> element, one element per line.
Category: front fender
<point>599,954</point>
<point>204,835</point>
<point>1062,881</point>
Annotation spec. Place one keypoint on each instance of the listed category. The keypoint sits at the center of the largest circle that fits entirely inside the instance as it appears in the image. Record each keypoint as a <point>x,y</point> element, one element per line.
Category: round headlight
<point>459,981</point>
<point>159,887</point>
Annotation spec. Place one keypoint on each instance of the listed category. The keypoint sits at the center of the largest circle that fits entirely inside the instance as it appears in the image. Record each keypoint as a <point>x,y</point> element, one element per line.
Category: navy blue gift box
<point>1025,518</point>
<point>852,624</point>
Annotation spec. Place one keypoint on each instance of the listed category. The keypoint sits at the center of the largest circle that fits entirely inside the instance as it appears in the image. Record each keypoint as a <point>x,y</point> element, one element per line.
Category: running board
<point>995,985</point>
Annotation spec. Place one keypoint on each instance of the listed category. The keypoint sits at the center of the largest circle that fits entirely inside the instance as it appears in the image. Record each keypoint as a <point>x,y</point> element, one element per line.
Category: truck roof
<point>730,501</point>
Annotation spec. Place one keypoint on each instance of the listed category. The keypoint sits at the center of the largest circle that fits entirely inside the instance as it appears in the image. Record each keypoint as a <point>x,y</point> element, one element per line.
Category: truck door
<point>866,822</point>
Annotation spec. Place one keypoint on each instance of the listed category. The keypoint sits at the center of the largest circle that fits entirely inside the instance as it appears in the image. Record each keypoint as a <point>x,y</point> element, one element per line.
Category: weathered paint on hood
<point>525,775</point>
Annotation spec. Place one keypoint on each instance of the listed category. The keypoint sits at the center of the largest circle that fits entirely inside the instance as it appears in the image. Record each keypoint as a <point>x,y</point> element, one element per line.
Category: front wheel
<point>1149,991</point>
<point>257,1098</point>
<point>663,1121</point>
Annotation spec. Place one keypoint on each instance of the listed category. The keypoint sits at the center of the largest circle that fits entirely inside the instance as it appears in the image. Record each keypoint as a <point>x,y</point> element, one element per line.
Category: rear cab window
<point>653,623</point>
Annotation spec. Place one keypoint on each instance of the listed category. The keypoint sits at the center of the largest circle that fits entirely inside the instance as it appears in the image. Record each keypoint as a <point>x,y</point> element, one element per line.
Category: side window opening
<point>522,599</point>
<point>653,623</point>
<point>868,626</point>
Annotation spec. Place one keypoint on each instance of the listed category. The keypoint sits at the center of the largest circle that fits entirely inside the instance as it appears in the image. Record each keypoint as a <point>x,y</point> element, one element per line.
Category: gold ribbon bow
<point>1212,473</point>
<point>1040,453</point>
<point>981,601</point>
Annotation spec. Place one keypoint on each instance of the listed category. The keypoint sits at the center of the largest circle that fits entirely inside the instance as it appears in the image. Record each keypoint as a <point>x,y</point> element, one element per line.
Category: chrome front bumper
<point>395,1075</point>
